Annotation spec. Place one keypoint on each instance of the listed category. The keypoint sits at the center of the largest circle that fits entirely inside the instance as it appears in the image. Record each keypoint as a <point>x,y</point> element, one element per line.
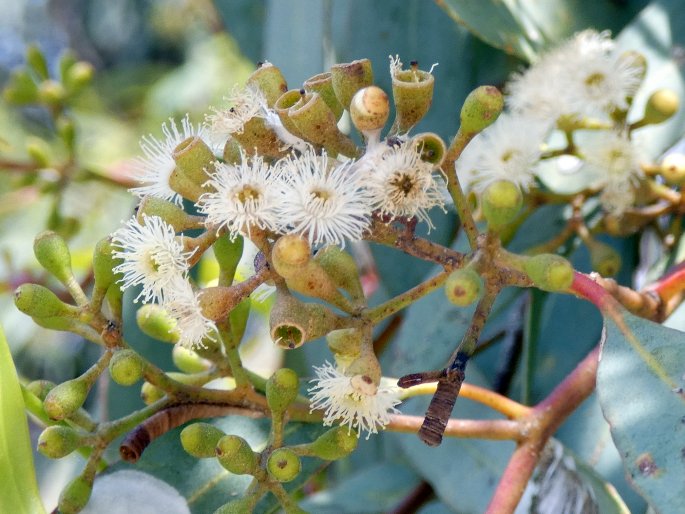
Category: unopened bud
<point>412,91</point>
<point>66,398</point>
<point>228,252</point>
<point>40,388</point>
<point>323,84</point>
<point>661,105</point>
<point>155,322</point>
<point>341,267</point>
<point>281,389</point>
<point>39,302</point>
<point>345,344</point>
<point>188,360</point>
<point>290,255</point>
<point>270,81</point>
<point>283,465</point>
<point>335,444</point>
<point>150,394</point>
<point>234,454</point>
<point>52,93</point>
<point>369,109</point>
<point>481,108</point>
<point>79,75</point>
<point>104,263</point>
<point>171,213</point>
<point>673,168</point>
<point>126,367</point>
<point>501,202</point>
<point>348,78</point>
<point>550,272</point>
<point>463,287</point>
<point>75,496</point>
<point>20,88</point>
<point>604,259</point>
<point>200,439</point>
<point>52,253</point>
<point>67,131</point>
<point>36,60</point>
<point>58,441</point>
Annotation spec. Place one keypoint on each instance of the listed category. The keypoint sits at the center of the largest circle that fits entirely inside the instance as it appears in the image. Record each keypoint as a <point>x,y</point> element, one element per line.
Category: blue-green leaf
<point>18,487</point>
<point>640,384</point>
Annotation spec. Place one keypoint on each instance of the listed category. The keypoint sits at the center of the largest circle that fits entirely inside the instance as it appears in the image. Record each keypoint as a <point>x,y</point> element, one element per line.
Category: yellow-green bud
<point>270,81</point>
<point>104,263</point>
<point>672,168</point>
<point>155,322</point>
<point>661,105</point>
<point>481,108</point>
<point>150,394</point>
<point>193,157</point>
<point>188,360</point>
<point>290,255</point>
<point>51,93</point>
<point>281,390</point>
<point>501,202</point>
<point>52,253</point>
<point>369,109</point>
<point>239,506</point>
<point>75,496</point>
<point>66,398</point>
<point>604,259</point>
<point>36,60</point>
<point>550,272</point>
<point>126,367</point>
<point>412,91</point>
<point>200,439</point>
<point>38,151</point>
<point>283,465</point>
<point>20,89</point>
<point>168,211</point>
<point>463,287</point>
<point>431,146</point>
<point>345,344</point>
<point>58,441</point>
<point>341,267</point>
<point>67,131</point>
<point>228,252</point>
<point>40,388</point>
<point>78,76</point>
<point>234,454</point>
<point>335,444</point>
<point>348,78</point>
<point>323,84</point>
<point>39,302</point>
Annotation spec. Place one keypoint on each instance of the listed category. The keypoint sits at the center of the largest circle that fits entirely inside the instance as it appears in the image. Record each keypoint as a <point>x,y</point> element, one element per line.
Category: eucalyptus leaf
<point>640,384</point>
<point>18,487</point>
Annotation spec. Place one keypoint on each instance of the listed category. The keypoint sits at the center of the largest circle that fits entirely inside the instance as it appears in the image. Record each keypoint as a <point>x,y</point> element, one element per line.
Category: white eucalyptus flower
<point>245,103</point>
<point>153,257</point>
<point>183,305</point>
<point>355,401</point>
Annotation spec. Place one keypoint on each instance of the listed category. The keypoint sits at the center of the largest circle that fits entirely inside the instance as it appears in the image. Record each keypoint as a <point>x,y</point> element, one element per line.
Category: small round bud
<point>39,302</point>
<point>188,360</point>
<point>51,92</point>
<point>234,454</point>
<point>335,444</point>
<point>369,109</point>
<point>75,496</point>
<point>283,465</point>
<point>550,272</point>
<point>673,168</point>
<point>40,388</point>
<point>481,108</point>
<point>661,105</point>
<point>155,322</point>
<point>38,151</point>
<point>463,287</point>
<point>200,439</point>
<point>79,75</point>
<point>66,398</point>
<point>126,367</point>
<point>150,394</point>
<point>58,441</point>
<point>290,255</point>
<point>52,253</point>
<point>281,389</point>
<point>501,202</point>
<point>604,259</point>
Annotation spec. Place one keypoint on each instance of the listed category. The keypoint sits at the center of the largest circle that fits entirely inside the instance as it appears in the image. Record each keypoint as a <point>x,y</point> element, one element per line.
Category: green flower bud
<point>228,253</point>
<point>155,322</point>
<point>66,61</point>
<point>200,439</point>
<point>341,267</point>
<point>369,109</point>
<point>52,253</point>
<point>345,344</point>
<point>661,105</point>
<point>168,211</point>
<point>39,302</point>
<point>550,272</point>
<point>501,202</point>
<point>323,85</point>
<point>269,79</point>
<point>317,124</point>
<point>150,394</point>
<point>239,506</point>
<point>58,441</point>
<point>313,281</point>
<point>79,75</point>
<point>431,146</point>
<point>348,78</point>
<point>282,108</point>
<point>104,263</point>
<point>283,465</point>
<point>40,388</point>
<point>66,398</point>
<point>36,60</point>
<point>335,444</point>
<point>672,168</point>
<point>38,151</point>
<point>293,323</point>
<point>188,360</point>
<point>193,157</point>
<point>67,131</point>
<point>126,367</point>
<point>75,496</point>
<point>481,108</point>
<point>290,255</point>
<point>604,259</point>
<point>281,390</point>
<point>412,91</point>
<point>234,454</point>
<point>51,93</point>
<point>20,89</point>
<point>463,287</point>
